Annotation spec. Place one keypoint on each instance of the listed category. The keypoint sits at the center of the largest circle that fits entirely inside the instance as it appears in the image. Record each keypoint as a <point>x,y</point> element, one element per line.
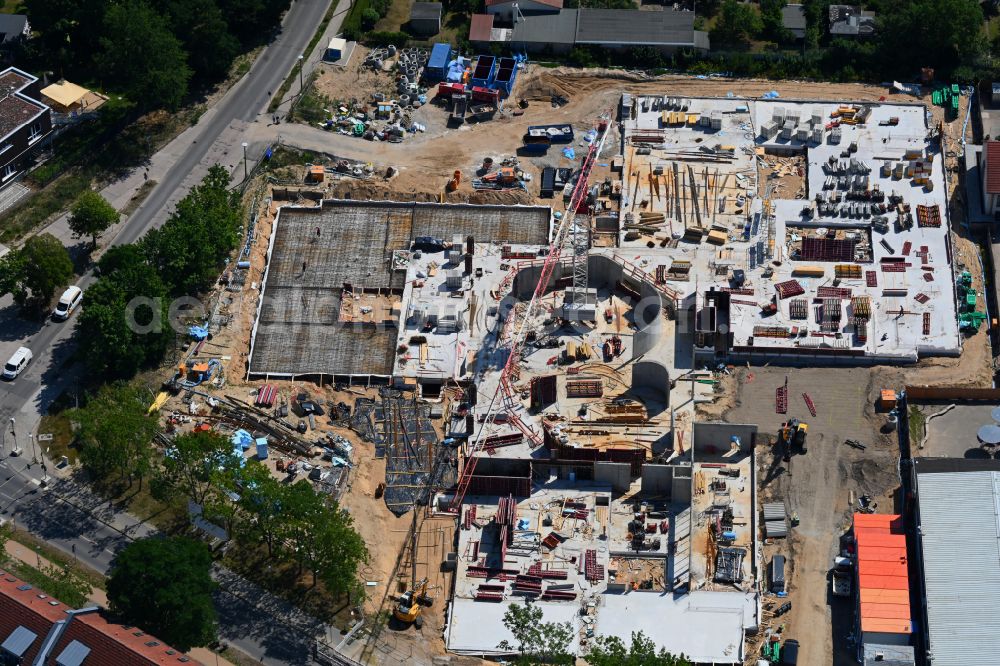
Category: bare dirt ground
<point>821,485</point>
<point>427,160</point>
<point>818,486</point>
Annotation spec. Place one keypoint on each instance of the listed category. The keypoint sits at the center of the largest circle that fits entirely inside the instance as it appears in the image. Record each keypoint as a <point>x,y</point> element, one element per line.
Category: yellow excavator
<point>793,438</point>
<point>411,603</point>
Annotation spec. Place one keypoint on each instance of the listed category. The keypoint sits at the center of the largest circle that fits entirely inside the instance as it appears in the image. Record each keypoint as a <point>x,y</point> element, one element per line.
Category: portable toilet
<point>335,50</point>
<point>261,448</point>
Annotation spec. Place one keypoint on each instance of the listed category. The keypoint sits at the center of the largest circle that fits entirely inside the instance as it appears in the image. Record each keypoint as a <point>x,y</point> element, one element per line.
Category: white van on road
<point>17,363</point>
<point>67,303</point>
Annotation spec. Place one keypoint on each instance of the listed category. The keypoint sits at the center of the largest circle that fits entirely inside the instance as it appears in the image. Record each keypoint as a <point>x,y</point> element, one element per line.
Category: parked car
<point>17,363</point>
<point>68,302</point>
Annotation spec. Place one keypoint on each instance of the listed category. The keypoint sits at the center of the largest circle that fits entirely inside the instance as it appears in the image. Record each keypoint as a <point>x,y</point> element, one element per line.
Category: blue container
<point>261,448</point>
<point>437,64</point>
<point>482,74</point>
<point>504,76</point>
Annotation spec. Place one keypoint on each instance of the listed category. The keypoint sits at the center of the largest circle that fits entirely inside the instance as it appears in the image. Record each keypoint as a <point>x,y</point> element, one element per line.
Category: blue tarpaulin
<point>242,439</point>
<point>198,332</point>
<point>456,68</point>
<point>569,153</point>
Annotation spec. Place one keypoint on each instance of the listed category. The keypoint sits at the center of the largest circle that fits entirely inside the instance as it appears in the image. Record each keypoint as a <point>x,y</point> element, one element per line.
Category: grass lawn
<point>61,429</point>
<point>398,14</point>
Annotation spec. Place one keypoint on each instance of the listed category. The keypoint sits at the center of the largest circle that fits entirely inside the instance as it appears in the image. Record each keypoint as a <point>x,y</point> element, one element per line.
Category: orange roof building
<point>883,580</point>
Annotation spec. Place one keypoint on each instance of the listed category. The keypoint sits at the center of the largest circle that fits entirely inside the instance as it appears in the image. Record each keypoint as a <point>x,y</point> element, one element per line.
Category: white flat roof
<point>707,627</point>
<point>476,627</point>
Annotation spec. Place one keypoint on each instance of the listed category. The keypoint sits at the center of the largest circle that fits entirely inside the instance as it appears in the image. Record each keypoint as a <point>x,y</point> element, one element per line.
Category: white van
<point>18,362</point>
<point>67,303</point>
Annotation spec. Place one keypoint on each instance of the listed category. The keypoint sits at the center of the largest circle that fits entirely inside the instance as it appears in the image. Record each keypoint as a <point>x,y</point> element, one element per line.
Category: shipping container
<point>560,133</point>
<point>437,63</point>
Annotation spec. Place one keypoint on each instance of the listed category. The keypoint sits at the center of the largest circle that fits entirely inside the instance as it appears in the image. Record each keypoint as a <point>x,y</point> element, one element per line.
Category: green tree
<point>68,32</point>
<point>772,21</point>
<point>142,57</point>
<point>937,33</point>
<point>321,538</point>
<point>611,651</point>
<point>262,505</point>
<point>33,272</point>
<point>91,215</point>
<point>194,460</point>
<point>209,44</point>
<point>537,642</point>
<point>737,23</point>
<point>116,433</point>
<point>118,337</point>
<point>191,247</point>
<point>164,586</point>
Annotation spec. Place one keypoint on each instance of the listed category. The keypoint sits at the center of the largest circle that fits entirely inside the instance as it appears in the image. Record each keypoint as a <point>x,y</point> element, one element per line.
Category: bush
<point>397,39</point>
<point>369,17</point>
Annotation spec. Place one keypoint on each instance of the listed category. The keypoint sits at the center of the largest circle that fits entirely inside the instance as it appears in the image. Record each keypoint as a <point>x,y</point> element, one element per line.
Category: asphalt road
<point>65,513</point>
<point>247,100</point>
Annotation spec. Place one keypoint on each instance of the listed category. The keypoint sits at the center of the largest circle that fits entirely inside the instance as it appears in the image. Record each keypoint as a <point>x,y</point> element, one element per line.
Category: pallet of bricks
<point>585,388</point>
<point>798,308</point>
<point>861,313</point>
<point>789,288</point>
<point>847,271</point>
<point>593,571</point>
<point>929,216</point>
<point>770,332</point>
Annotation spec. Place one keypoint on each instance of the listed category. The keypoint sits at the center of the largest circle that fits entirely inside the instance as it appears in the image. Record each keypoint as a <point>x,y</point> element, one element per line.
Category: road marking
<point>88,540</point>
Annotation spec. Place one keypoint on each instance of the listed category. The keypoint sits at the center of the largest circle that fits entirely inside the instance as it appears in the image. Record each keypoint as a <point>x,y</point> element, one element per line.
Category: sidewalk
<point>26,555</point>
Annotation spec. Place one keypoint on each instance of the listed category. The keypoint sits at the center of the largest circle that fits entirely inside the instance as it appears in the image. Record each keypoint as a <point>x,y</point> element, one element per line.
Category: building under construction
<point>331,296</point>
<point>720,230</point>
<point>795,230</point>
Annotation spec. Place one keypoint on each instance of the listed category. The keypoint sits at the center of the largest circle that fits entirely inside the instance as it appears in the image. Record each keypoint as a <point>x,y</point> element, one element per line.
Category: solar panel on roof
<point>73,654</point>
<point>19,641</point>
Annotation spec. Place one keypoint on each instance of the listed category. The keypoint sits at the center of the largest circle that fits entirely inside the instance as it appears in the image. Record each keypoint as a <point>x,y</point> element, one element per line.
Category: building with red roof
<point>37,629</point>
<point>990,168</point>
<point>883,583</point>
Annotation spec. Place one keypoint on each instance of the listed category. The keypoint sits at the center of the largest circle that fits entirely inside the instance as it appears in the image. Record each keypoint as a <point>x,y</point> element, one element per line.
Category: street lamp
<point>301,86</point>
<point>245,174</point>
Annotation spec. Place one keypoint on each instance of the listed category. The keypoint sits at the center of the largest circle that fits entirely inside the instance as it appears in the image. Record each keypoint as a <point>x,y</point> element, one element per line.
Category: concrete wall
<point>652,377</point>
<point>681,486</point>
<point>617,475</point>
<point>658,479</point>
<point>711,440</point>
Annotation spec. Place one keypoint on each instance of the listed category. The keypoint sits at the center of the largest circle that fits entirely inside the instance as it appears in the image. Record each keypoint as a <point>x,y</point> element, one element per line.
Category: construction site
<point>796,230</point>
<point>544,399</point>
